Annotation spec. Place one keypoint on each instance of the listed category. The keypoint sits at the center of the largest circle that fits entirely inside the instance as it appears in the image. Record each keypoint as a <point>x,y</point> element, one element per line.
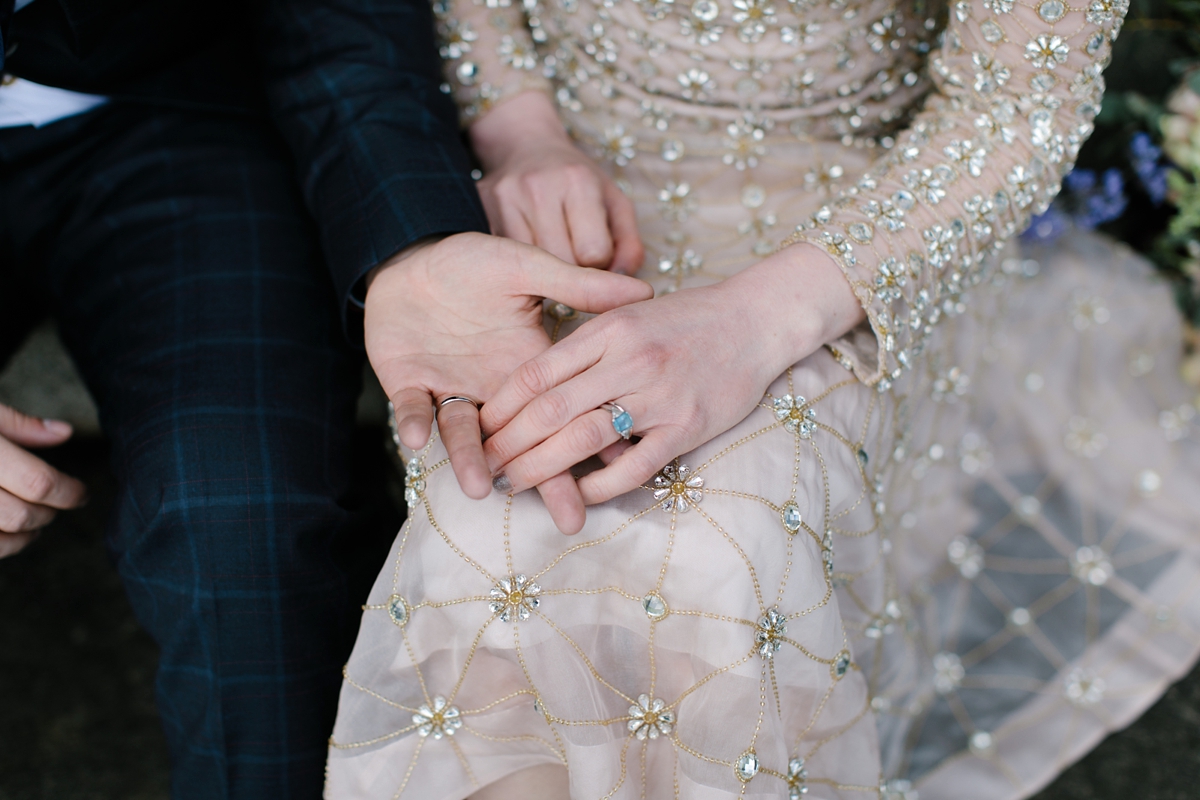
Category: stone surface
<point>40,379</point>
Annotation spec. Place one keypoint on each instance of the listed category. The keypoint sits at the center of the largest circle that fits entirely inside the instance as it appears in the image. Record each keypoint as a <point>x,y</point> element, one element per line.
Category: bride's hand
<point>687,367</point>
<point>538,188</point>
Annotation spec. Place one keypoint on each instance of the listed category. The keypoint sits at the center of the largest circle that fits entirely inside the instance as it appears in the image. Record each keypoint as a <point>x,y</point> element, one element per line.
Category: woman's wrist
<point>801,299</point>
<point>521,121</point>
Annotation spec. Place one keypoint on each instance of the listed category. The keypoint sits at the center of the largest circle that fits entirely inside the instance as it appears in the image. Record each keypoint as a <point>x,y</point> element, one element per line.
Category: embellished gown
<point>945,555</point>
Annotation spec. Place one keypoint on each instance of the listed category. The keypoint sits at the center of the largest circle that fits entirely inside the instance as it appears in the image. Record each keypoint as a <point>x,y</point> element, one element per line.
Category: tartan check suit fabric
<point>205,271</point>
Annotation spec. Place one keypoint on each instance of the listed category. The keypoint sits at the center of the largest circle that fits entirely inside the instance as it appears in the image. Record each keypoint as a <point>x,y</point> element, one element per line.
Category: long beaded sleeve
<point>1017,85</point>
<point>488,50</point>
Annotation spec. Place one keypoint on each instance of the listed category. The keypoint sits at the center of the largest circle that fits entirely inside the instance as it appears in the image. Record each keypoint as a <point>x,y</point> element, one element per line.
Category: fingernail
<point>502,484</point>
<point>57,427</point>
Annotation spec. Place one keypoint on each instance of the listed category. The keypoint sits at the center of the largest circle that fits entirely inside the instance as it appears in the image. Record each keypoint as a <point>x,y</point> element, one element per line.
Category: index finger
<point>539,375</point>
<point>28,477</point>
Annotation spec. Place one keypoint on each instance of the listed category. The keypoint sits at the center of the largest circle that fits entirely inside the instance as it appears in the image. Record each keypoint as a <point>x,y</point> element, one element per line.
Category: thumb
<point>593,291</point>
<point>28,431</point>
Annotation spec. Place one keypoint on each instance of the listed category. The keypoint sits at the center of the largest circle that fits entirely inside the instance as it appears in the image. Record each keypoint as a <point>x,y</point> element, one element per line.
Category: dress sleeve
<point>487,47</point>
<point>1017,84</point>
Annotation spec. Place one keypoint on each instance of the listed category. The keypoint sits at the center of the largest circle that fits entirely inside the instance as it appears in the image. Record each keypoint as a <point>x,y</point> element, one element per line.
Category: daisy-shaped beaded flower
<point>441,720</point>
<point>649,719</point>
<point>414,481</point>
<point>676,488</point>
<point>797,778</point>
<point>769,633</point>
<point>514,598</point>
<point>795,415</point>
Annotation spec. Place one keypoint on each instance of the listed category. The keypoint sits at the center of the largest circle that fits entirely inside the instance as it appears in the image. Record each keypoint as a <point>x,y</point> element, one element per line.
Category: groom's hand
<point>31,491</point>
<point>456,317</point>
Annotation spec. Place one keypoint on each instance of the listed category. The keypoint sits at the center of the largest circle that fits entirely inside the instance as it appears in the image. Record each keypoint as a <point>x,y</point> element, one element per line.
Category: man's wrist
<point>403,255</point>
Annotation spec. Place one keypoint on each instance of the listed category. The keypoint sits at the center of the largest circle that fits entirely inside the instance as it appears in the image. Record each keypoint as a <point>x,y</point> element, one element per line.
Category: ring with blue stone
<point>622,422</point>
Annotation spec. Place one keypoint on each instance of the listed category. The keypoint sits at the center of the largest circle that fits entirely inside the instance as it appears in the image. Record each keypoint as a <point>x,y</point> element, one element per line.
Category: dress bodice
<point>961,120</point>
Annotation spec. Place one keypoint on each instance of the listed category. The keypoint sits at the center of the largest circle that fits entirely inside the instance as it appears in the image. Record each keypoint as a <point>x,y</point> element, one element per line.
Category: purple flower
<point>1103,203</point>
<point>1145,157</point>
<point>1047,227</point>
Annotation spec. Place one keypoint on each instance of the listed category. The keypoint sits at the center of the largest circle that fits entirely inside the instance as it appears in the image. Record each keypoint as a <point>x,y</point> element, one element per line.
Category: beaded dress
<point>943,557</point>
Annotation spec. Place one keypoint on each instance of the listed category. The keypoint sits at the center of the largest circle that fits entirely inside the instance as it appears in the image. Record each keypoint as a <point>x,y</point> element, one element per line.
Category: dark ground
<point>77,716</point>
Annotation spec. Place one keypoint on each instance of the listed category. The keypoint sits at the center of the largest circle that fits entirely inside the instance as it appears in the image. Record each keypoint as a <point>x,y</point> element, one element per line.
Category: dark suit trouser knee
<point>174,250</point>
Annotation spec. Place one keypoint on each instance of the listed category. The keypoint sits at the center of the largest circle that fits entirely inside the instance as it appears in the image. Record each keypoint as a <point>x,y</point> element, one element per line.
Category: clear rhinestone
<point>1164,618</point>
<point>1095,43</point>
<point>672,150</point>
<point>747,87</point>
<point>1028,507</point>
<point>791,517</point>
<point>768,636</point>
<point>1083,688</point>
<point>1149,482</point>
<point>753,195</point>
<point>861,232</point>
<point>1019,617</point>
<point>1043,82</point>
<point>397,609</point>
<point>1052,10</point>
<point>466,72</point>
<point>948,672</point>
<point>1091,565</point>
<point>746,767</point>
<point>654,606</point>
<point>442,719</point>
<point>562,311</point>
<point>841,664</point>
<point>1141,364</point>
<point>981,742</point>
<point>967,556</point>
<point>650,718</point>
<point>991,31</point>
<point>705,10</point>
<point>797,778</point>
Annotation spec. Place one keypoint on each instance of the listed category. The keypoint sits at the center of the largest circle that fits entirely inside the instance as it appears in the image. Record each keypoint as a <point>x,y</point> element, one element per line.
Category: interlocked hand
<point>457,317</point>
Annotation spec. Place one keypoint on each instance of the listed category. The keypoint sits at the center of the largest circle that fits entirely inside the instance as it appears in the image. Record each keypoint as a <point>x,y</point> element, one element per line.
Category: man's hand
<point>31,491</point>
<point>457,317</point>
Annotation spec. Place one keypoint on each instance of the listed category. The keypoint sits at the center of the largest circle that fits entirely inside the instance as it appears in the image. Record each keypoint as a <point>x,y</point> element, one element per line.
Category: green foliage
<point>1157,52</point>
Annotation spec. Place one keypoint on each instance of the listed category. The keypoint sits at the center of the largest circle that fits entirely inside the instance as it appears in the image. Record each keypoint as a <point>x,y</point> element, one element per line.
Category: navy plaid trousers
<point>175,251</point>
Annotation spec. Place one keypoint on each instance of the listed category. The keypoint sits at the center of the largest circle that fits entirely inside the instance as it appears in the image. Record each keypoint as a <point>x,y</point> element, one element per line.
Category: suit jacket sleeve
<point>355,87</point>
